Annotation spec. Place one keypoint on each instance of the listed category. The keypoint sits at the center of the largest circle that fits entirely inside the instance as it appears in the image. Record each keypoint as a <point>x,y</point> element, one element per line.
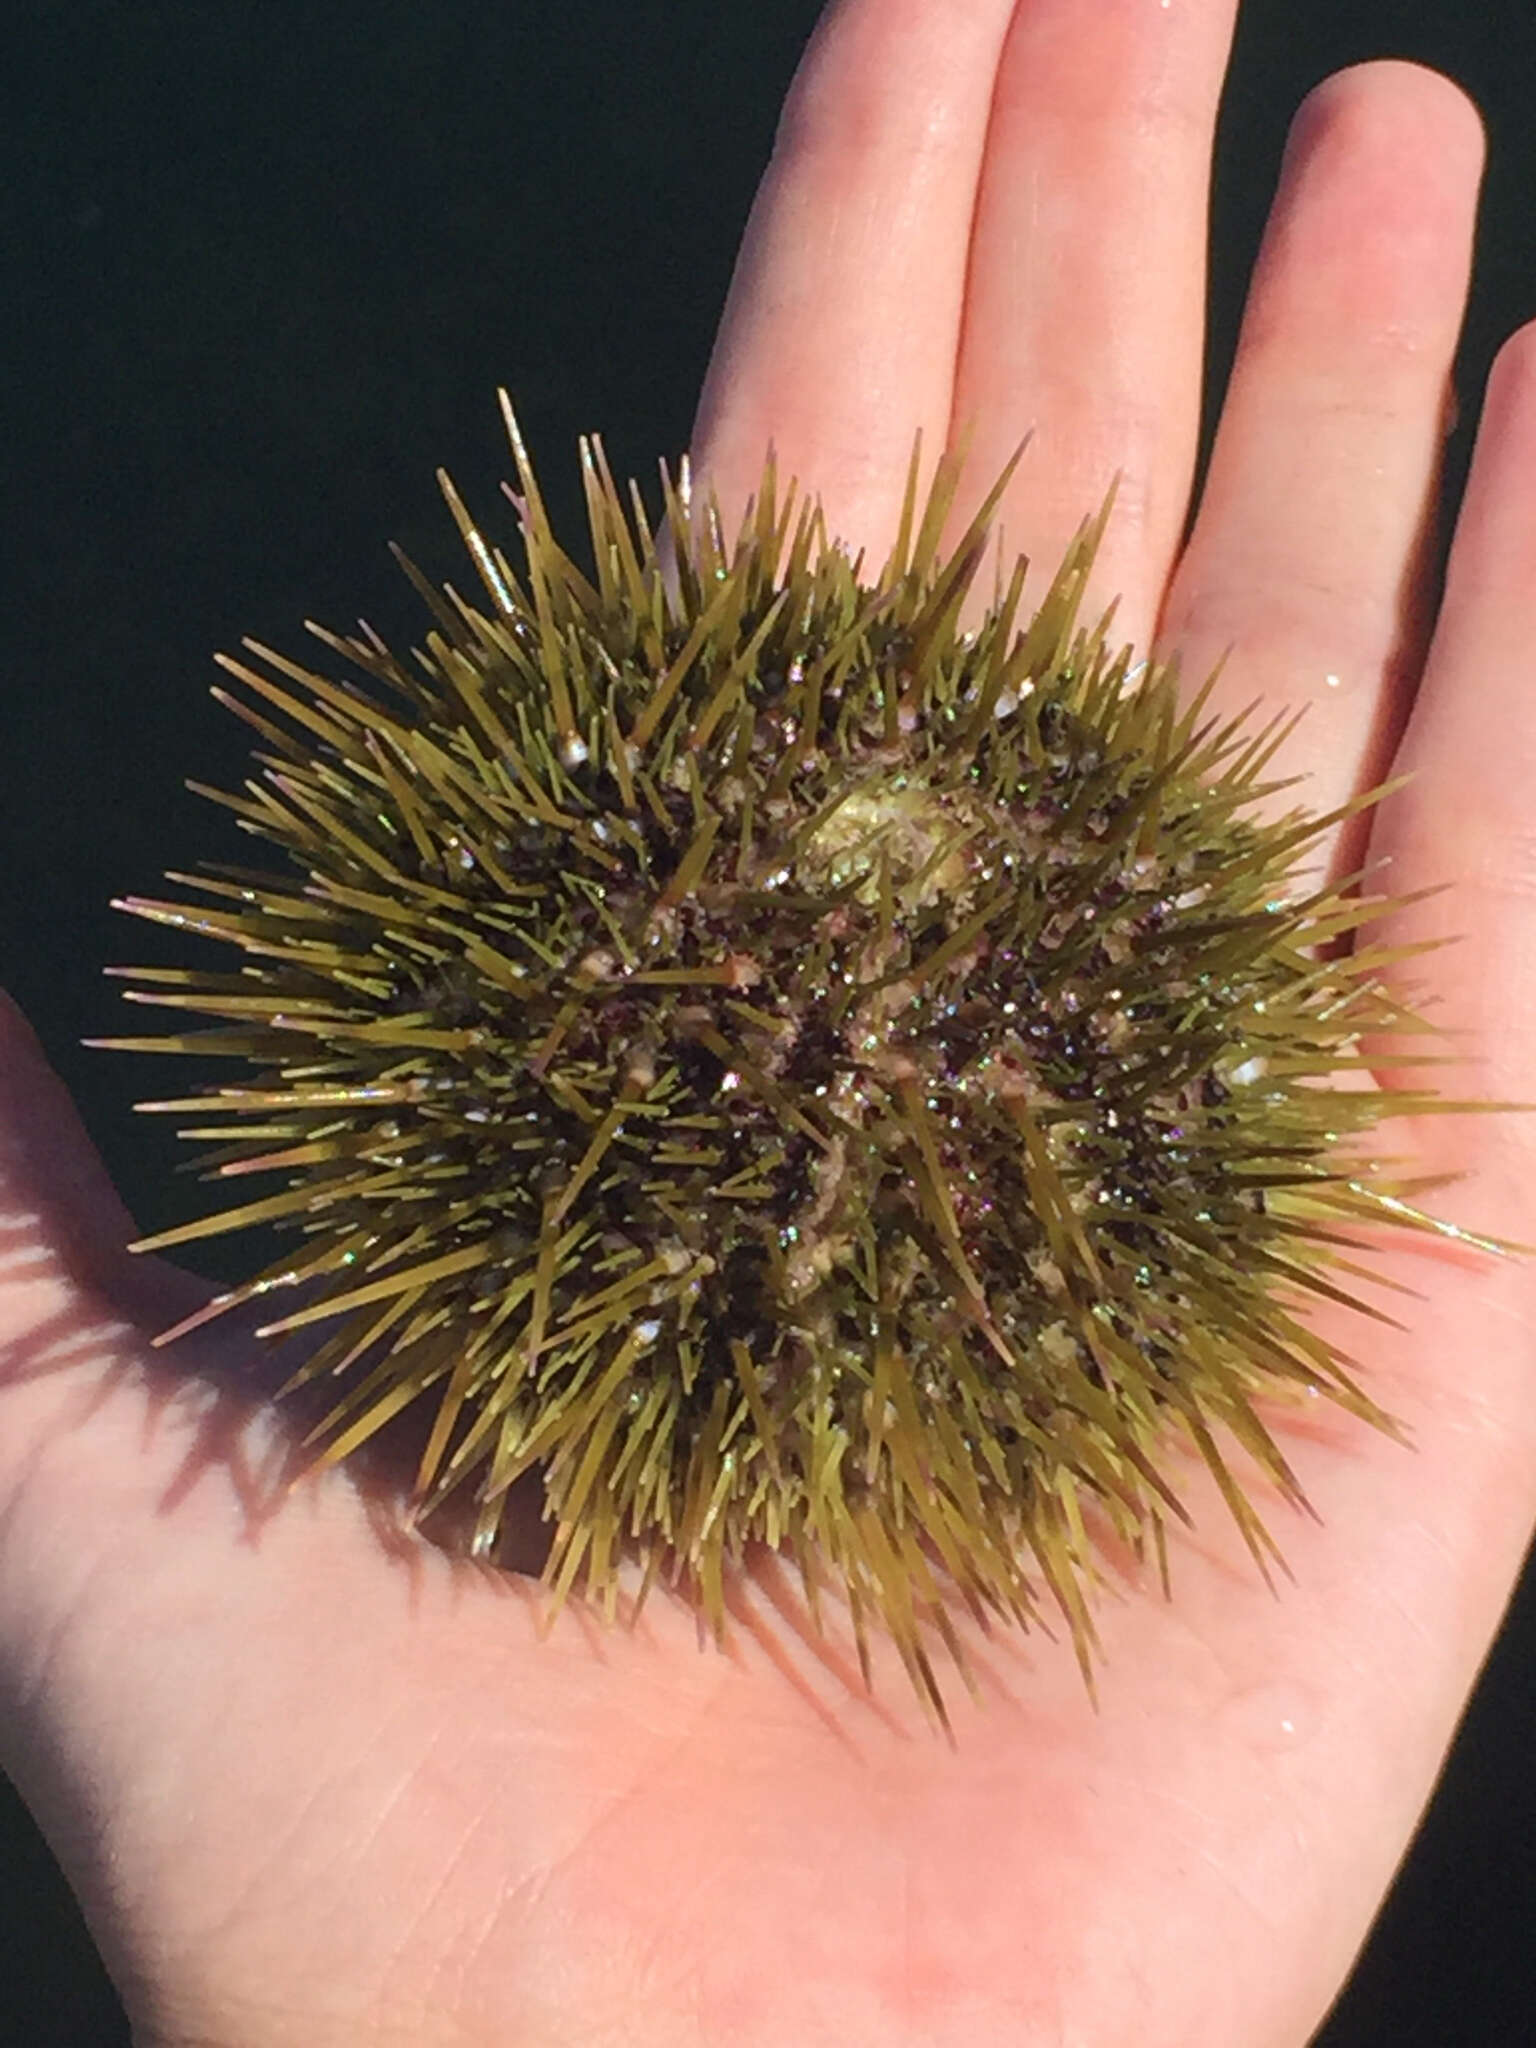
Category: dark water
<point>264,267</point>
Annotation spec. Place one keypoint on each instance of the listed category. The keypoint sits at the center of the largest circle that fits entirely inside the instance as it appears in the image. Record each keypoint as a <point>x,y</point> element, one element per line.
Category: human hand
<point>314,1788</point>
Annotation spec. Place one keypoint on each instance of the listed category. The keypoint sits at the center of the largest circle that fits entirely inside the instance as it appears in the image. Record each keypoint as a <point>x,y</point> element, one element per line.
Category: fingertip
<point>51,1177</point>
<point>1512,379</point>
<point>14,1029</point>
<point>1404,94</point>
<point>1399,143</point>
<point>1493,554</point>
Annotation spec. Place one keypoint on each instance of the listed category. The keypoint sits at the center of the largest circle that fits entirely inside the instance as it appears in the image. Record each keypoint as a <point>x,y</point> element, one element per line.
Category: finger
<point>1464,824</point>
<point>1311,537</point>
<point>1086,306</point>
<point>839,335</point>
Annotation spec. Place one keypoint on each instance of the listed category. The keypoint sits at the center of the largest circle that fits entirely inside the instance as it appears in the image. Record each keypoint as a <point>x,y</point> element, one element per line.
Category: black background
<point>264,266</point>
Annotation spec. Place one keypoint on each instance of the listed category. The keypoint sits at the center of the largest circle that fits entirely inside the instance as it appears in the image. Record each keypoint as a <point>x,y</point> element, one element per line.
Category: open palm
<point>318,1786</point>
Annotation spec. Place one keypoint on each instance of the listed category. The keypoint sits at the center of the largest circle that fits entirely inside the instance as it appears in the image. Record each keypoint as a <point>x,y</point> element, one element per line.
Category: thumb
<point>66,1276</point>
<point>79,1383</point>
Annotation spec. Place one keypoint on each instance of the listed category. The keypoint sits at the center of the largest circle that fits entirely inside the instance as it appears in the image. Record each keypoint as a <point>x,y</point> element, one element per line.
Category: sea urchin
<point>789,1066</point>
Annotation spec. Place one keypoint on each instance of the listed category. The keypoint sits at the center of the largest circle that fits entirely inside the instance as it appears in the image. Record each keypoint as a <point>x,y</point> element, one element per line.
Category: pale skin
<point>314,1789</point>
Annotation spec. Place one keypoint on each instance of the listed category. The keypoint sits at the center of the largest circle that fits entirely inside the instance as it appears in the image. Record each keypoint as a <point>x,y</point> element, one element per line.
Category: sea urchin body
<point>791,1067</point>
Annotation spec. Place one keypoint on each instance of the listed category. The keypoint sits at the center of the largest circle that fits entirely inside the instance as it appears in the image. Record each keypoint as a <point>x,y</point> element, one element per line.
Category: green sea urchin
<point>788,1066</point>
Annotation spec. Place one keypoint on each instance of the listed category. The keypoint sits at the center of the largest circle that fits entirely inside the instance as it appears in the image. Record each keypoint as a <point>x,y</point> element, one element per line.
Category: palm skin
<point>315,1787</point>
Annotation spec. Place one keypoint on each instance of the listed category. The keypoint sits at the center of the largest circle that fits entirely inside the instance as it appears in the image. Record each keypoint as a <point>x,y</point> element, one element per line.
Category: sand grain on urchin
<point>787,1066</point>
